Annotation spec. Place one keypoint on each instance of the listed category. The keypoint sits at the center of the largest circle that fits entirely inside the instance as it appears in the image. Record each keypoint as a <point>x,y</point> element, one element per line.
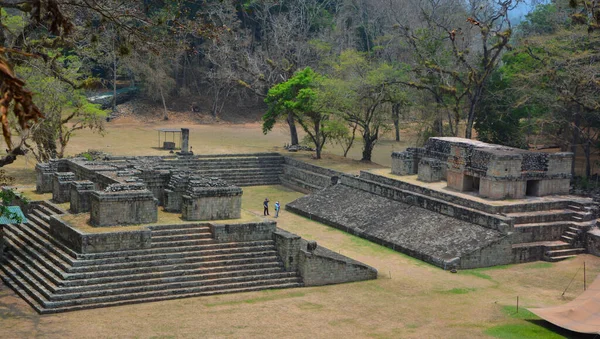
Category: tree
<point>300,97</point>
<point>362,92</point>
<point>66,109</point>
<point>475,50</point>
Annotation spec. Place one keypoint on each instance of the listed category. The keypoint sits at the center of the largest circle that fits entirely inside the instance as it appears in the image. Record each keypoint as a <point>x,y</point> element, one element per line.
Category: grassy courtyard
<point>410,299</point>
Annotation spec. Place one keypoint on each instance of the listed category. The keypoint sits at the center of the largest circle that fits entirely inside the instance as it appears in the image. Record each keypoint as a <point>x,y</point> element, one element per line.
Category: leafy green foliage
<point>299,96</point>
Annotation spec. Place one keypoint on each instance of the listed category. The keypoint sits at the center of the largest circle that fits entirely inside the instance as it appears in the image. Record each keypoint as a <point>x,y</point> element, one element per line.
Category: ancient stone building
<point>59,264</point>
<point>493,171</point>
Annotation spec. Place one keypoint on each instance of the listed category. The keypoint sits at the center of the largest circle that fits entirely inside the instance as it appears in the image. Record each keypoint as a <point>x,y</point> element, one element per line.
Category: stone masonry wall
<point>288,248</point>
<point>98,242</point>
<point>80,196</point>
<point>254,231</point>
<point>122,207</point>
<point>61,186</point>
<point>211,208</point>
<point>323,267</point>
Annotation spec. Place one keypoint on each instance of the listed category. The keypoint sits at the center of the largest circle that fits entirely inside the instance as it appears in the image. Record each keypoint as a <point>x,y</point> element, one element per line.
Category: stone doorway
<point>533,188</point>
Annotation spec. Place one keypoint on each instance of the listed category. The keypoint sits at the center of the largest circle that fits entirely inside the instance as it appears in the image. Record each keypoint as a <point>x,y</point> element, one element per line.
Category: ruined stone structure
<point>56,266</point>
<point>493,171</point>
<point>445,228</point>
<point>211,199</point>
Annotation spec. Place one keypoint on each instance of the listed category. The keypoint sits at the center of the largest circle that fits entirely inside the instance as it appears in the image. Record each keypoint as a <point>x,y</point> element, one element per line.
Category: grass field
<point>410,299</point>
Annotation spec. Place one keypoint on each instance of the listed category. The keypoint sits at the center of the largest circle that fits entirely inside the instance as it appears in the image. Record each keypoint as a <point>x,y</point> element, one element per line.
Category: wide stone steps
<point>133,278</point>
<point>48,300</point>
<point>298,184</point>
<point>240,171</point>
<point>159,264</point>
<point>181,243</point>
<point>178,231</point>
<point>190,275</point>
<point>164,257</point>
<point>159,285</point>
<point>181,237</point>
<point>184,261</point>
<point>547,216</point>
<point>170,250</point>
<point>24,293</point>
<point>42,241</point>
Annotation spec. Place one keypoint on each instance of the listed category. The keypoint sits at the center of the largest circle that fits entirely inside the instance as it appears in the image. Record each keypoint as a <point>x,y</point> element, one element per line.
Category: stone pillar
<point>122,204</point>
<point>80,196</point>
<point>185,139</point>
<point>175,189</point>
<point>61,186</point>
<point>44,179</point>
<point>404,163</point>
<point>211,199</point>
<point>430,170</point>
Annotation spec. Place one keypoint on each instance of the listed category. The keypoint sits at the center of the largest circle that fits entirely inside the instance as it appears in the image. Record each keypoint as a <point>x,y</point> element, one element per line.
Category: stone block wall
<point>98,242</point>
<point>211,199</point>
<point>324,267</point>
<point>288,248</point>
<point>430,170</point>
<point>494,189</point>
<point>61,186</point>
<point>497,253</point>
<point>559,164</point>
<point>592,241</point>
<point>404,163</point>
<point>505,167</point>
<point>122,207</point>
<point>80,196</point>
<point>254,231</point>
<point>45,176</point>
<point>211,208</point>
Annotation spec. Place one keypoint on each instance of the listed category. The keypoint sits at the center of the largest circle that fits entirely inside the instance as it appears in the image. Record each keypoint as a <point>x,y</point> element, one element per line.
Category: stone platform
<point>58,264</point>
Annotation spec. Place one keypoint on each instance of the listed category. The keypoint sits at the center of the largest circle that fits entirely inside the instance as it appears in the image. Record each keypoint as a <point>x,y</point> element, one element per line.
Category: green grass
<point>458,291</point>
<point>478,272</point>
<point>523,329</point>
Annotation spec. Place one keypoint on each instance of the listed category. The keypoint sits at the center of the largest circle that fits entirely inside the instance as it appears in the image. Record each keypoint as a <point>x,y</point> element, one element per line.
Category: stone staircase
<point>555,233</point>
<point>183,261</point>
<point>239,170</point>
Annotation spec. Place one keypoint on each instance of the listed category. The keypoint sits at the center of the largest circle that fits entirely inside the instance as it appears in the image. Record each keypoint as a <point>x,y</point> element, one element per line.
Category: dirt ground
<point>410,299</point>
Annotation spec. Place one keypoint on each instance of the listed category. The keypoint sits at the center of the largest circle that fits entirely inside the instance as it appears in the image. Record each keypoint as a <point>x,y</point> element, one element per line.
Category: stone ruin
<point>129,192</point>
<point>492,171</point>
<point>58,265</point>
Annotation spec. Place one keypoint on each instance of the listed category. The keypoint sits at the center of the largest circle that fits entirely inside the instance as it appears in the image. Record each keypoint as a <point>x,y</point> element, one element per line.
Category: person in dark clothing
<point>266,206</point>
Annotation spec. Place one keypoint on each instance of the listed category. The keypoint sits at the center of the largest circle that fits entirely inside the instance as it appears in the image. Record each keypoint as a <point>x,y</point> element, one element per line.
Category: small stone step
<point>555,259</point>
<point>197,242</point>
<point>566,238</point>
<point>177,231</point>
<point>168,297</point>
<point>563,252</point>
<point>180,237</point>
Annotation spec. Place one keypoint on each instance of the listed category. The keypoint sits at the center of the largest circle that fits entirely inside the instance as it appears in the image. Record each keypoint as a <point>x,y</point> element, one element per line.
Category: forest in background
<point>344,71</point>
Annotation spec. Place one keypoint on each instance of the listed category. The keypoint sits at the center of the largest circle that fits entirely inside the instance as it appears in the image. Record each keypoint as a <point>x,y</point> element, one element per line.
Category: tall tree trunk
<point>574,142</point>
<point>293,132</point>
<point>588,165</point>
<point>396,119</point>
<point>114,101</point>
<point>162,96</point>
<point>369,143</point>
